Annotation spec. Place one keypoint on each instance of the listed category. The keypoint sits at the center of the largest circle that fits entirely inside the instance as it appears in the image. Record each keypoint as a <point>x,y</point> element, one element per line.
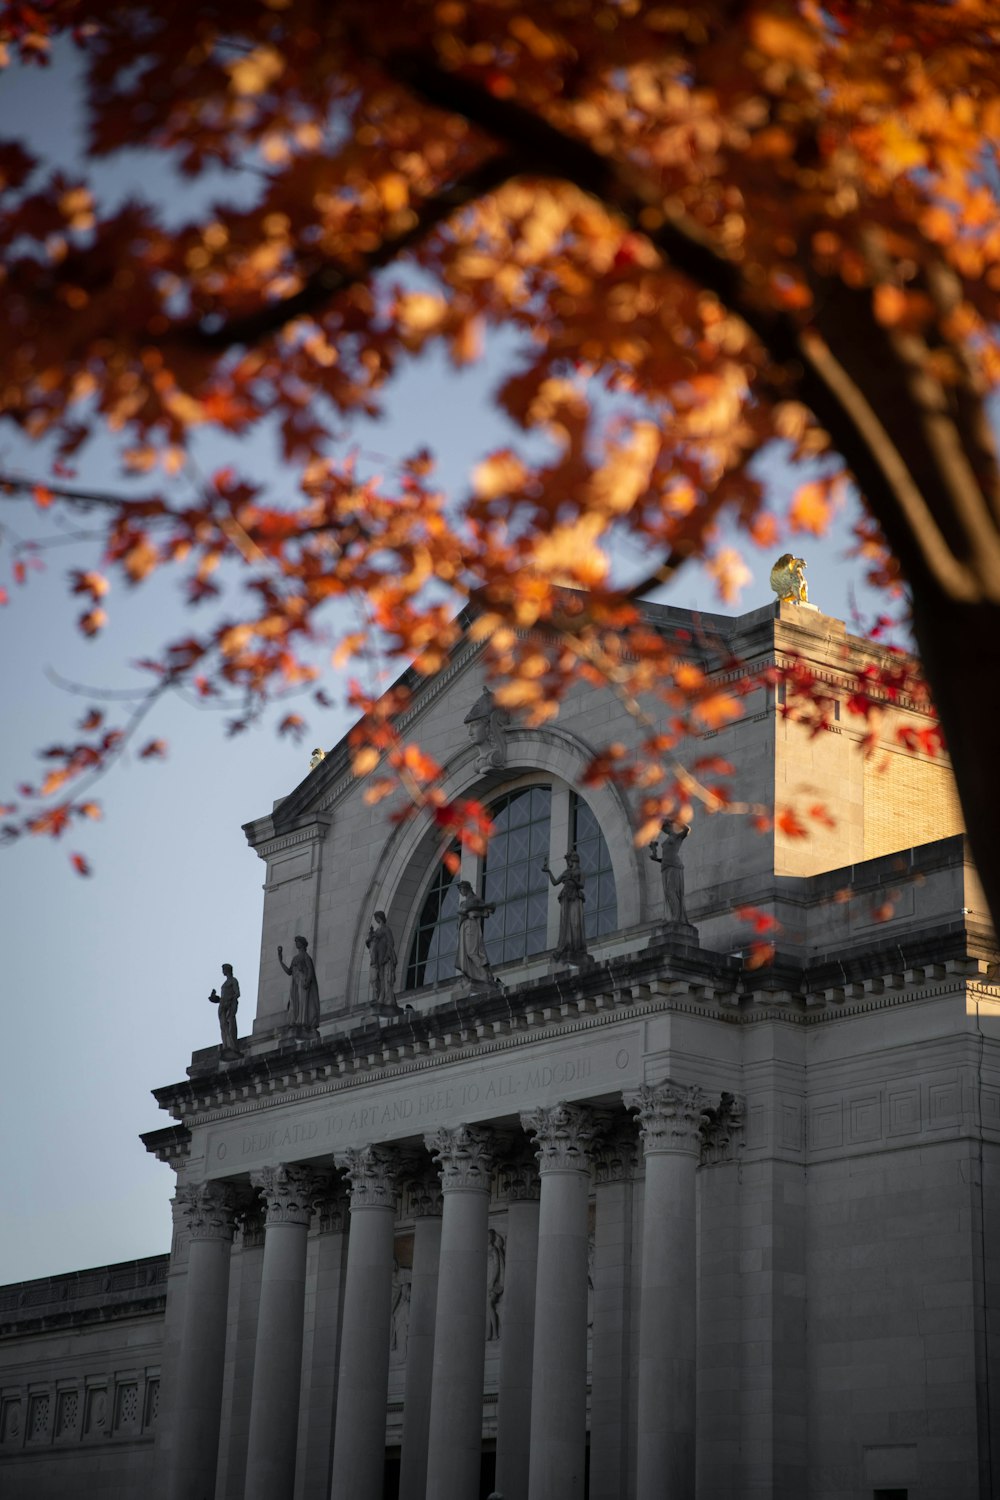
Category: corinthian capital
<point>373,1173</point>
<point>287,1193</point>
<point>208,1210</point>
<point>669,1116</point>
<point>563,1136</point>
<point>465,1157</point>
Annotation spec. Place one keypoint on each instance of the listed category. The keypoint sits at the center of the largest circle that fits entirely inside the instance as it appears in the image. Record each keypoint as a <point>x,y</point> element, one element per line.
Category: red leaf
<point>42,497</point>
<point>93,719</point>
<point>155,749</point>
<point>79,864</point>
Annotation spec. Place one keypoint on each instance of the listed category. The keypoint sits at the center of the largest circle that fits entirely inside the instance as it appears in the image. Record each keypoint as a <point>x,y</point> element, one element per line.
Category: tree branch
<point>330,279</point>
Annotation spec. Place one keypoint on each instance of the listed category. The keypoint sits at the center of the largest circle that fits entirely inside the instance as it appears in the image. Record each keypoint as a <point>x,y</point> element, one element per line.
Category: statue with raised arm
<point>572,944</point>
<point>303,992</point>
<point>667,854</point>
<point>382,957</point>
<point>471,958</point>
<point>228,1001</point>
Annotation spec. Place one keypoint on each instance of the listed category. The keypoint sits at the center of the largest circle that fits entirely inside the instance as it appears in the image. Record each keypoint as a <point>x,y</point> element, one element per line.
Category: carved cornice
<point>373,1173</point>
<point>465,1156</point>
<point>208,1210</point>
<point>315,833</point>
<point>564,1134</point>
<point>616,1152</point>
<point>722,1130</point>
<point>669,1116</point>
<point>287,1192</point>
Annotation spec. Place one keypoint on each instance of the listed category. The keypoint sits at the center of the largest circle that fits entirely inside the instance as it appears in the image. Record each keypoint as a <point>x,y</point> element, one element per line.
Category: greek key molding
<point>287,1192</point>
<point>208,1210</point>
<point>373,1173</point>
<point>669,1116</point>
<point>465,1156</point>
<point>564,1135</point>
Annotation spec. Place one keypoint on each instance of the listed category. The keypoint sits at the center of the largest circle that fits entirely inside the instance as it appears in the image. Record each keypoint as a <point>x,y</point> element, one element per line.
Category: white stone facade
<point>670,1225</point>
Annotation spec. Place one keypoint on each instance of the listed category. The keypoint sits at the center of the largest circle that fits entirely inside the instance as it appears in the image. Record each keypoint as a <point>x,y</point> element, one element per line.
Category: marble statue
<point>303,993</point>
<point>382,956</point>
<point>317,756</point>
<point>471,958</point>
<point>496,1260</point>
<point>228,1002</point>
<point>572,944</point>
<point>668,857</point>
<point>486,723</point>
<point>788,579</point>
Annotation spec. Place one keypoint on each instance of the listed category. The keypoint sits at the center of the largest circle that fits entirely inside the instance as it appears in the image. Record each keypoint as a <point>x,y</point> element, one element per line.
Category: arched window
<point>600,912</point>
<point>513,877</point>
<point>432,952</point>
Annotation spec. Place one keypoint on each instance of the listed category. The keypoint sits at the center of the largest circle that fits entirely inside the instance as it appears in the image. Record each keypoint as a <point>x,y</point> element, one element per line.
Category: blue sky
<point>106,978</point>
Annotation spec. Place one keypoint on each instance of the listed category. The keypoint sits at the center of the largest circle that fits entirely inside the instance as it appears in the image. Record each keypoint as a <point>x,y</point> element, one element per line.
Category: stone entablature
<point>129,1288</point>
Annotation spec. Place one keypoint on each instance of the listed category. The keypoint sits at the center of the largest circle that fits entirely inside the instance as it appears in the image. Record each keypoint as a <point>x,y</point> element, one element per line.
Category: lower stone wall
<point>80,1359</point>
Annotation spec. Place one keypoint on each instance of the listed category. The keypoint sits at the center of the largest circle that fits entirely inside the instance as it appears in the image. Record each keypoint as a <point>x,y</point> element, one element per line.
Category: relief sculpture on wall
<point>496,1261</point>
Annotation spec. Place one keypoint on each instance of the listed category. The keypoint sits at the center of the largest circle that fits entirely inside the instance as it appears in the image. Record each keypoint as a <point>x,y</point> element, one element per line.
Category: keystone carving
<point>465,1156</point>
<point>669,1116</point>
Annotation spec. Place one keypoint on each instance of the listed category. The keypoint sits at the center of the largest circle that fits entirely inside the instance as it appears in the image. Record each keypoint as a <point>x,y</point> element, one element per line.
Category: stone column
<point>614,1168</point>
<point>563,1134</point>
<point>520,1186</point>
<point>359,1435</point>
<point>287,1192</point>
<point>424,1204</point>
<point>670,1119</point>
<point>210,1213</point>
<point>248,1261</point>
<point>455,1437</point>
<point>325,1265</point>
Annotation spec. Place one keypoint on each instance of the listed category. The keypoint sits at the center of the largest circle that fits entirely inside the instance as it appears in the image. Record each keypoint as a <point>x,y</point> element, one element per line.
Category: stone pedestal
<point>559,1368</point>
<point>675,935</point>
<point>274,1405</point>
<point>670,1118</point>
<point>359,1436</point>
<point>455,1438</point>
<point>210,1220</point>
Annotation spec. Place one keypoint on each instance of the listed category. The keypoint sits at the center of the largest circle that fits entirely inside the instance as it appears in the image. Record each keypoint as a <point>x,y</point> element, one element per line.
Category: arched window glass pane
<point>600,912</point>
<point>432,952</point>
<point>513,877</point>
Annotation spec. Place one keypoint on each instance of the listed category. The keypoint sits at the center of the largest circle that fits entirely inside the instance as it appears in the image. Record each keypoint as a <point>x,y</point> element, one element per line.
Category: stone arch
<point>410,856</point>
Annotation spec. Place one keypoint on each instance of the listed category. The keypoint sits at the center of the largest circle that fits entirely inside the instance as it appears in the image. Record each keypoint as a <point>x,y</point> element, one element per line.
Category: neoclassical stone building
<point>645,1221</point>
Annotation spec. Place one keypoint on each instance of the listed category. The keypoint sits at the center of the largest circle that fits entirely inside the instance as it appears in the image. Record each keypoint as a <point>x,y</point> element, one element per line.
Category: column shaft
<point>670,1116</point>
<point>516,1349</point>
<point>359,1434</point>
<point>559,1367</point>
<point>321,1355</point>
<point>277,1370</point>
<point>196,1407</point>
<point>419,1358</point>
<point>609,1399</point>
<point>455,1437</point>
<point>248,1265</point>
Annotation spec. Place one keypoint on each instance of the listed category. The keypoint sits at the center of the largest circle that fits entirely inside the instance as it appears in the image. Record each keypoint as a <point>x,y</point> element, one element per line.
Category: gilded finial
<point>788,579</point>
